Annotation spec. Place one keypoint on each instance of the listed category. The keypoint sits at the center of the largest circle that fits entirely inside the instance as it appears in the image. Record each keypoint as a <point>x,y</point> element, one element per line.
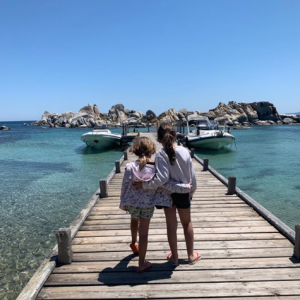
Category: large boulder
<point>262,122</point>
<point>135,114</point>
<point>288,121</point>
<point>294,117</point>
<point>96,110</point>
<point>45,115</point>
<point>169,116</point>
<point>225,120</point>
<point>88,109</point>
<point>116,107</point>
<point>266,111</point>
<point>68,115</point>
<point>250,112</point>
<point>150,114</point>
<point>121,117</point>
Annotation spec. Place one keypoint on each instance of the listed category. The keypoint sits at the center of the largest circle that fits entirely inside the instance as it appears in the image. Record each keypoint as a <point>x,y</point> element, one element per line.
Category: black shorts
<point>181,200</point>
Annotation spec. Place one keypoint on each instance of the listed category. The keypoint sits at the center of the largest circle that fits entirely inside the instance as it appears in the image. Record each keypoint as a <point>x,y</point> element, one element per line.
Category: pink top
<point>147,198</point>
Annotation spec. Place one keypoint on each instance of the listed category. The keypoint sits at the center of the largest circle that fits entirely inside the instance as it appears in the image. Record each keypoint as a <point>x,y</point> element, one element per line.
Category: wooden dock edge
<point>36,282</point>
<point>267,215</point>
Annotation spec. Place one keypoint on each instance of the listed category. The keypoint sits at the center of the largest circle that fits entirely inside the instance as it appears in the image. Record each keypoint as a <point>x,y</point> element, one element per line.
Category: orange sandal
<point>197,258</point>
<point>169,258</point>
<point>134,248</point>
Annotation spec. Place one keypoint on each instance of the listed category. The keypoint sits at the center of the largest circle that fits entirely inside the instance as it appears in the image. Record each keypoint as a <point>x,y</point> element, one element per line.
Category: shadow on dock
<point>115,276</point>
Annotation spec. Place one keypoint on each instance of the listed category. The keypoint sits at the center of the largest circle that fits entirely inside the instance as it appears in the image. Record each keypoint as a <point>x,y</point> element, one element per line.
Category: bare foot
<point>144,267</point>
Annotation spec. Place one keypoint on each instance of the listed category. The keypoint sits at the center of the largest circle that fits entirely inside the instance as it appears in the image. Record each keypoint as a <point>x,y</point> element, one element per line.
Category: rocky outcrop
<point>232,114</point>
<point>89,109</point>
<point>89,116</point>
<point>290,119</point>
<point>168,116</point>
<point>250,113</point>
<point>96,110</point>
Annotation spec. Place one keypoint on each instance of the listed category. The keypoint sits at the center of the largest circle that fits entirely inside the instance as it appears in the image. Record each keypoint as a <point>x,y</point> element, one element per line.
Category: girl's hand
<point>137,185</point>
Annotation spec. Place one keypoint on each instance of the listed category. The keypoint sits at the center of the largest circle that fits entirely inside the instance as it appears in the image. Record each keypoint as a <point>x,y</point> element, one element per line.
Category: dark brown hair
<point>143,147</point>
<point>166,135</point>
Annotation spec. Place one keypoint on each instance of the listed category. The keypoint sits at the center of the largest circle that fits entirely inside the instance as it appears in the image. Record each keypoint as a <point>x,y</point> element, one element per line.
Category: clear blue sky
<point>60,55</point>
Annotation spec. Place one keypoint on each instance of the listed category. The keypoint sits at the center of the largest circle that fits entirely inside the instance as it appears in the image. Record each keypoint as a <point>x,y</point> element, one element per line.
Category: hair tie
<point>143,154</point>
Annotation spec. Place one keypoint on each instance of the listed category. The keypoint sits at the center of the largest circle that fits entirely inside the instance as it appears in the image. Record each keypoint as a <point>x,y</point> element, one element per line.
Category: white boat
<point>208,136</point>
<point>101,138</point>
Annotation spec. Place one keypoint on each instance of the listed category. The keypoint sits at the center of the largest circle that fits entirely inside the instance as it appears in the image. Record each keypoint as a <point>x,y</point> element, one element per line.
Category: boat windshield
<point>206,124</point>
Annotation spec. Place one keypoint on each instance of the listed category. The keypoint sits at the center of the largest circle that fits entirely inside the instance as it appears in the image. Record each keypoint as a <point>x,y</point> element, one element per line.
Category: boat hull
<point>100,141</point>
<point>210,142</point>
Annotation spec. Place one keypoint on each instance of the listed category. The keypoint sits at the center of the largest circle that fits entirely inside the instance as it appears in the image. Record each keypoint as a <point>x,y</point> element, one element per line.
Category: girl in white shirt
<point>174,162</point>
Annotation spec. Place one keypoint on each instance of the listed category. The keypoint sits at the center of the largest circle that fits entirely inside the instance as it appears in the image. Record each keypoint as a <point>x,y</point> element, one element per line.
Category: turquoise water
<point>267,167</point>
<point>48,176</point>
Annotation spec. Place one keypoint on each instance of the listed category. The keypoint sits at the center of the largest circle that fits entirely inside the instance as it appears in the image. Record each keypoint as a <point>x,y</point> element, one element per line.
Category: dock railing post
<point>125,153</point>
<point>118,166</point>
<point>192,153</point>
<point>205,164</point>
<point>64,242</point>
<point>297,242</point>
<point>103,188</point>
<point>231,185</point>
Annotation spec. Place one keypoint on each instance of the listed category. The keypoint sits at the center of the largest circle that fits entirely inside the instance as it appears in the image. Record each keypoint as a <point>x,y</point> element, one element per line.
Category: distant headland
<point>231,114</point>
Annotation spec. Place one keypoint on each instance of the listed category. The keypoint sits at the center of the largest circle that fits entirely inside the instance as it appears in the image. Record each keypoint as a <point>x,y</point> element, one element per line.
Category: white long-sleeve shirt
<point>182,170</point>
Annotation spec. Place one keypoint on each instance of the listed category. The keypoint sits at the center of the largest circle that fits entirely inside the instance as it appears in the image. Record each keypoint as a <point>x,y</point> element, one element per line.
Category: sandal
<point>147,266</point>
<point>135,248</point>
<point>169,258</point>
<point>198,257</point>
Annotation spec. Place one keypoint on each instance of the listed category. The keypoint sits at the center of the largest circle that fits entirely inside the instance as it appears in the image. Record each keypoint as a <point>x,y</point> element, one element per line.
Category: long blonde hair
<point>143,147</point>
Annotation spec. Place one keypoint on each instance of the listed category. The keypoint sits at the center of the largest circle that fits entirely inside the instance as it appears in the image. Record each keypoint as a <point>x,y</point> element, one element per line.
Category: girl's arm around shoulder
<point>177,187</point>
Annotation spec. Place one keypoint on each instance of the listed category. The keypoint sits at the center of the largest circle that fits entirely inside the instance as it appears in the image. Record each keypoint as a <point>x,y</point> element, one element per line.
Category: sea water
<point>266,164</point>
<point>48,175</point>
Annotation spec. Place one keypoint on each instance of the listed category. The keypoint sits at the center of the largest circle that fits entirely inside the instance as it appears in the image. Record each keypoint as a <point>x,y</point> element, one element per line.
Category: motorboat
<point>101,138</point>
<point>207,135</point>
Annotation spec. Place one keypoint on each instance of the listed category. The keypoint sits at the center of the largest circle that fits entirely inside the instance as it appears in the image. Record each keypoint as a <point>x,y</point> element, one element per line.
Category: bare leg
<point>134,229</point>
<point>171,221</point>
<point>185,218</point>
<point>143,241</point>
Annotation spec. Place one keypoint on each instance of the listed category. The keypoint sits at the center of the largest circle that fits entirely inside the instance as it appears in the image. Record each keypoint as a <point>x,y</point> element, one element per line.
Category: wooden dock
<point>243,256</point>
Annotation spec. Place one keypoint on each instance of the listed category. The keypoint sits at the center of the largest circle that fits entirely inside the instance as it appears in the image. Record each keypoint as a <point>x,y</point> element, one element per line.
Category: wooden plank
<point>157,291</point>
<point>206,254</point>
<point>180,237</point>
<point>159,246</point>
<point>195,225</point>
<point>163,265</point>
<point>97,220</point>
<point>126,232</point>
<point>203,203</point>
<point>208,207</point>
<point>194,215</point>
<point>205,276</point>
